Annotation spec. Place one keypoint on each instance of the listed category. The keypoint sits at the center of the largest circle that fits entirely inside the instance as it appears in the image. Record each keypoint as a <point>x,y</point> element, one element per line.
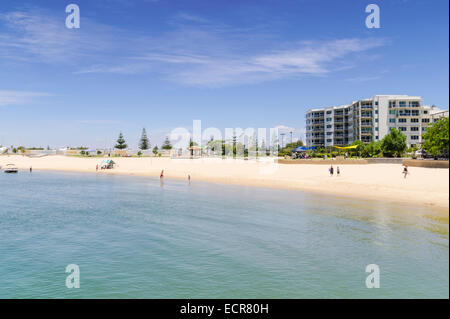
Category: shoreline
<point>427,187</point>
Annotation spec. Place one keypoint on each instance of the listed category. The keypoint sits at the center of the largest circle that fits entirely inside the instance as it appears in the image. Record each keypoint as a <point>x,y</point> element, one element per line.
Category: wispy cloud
<point>100,122</point>
<point>8,98</point>
<point>38,36</point>
<point>191,50</point>
<point>313,58</point>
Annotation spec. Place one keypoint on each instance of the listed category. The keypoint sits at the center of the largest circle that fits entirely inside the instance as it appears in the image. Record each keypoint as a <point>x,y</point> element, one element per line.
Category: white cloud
<point>36,35</point>
<point>19,97</point>
<point>192,51</point>
<point>100,122</point>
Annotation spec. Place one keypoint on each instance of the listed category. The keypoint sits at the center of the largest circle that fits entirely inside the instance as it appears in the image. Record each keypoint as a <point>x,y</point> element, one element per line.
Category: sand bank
<point>423,186</point>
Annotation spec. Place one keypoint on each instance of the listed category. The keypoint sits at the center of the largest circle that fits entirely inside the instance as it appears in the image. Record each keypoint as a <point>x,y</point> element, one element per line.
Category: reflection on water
<point>132,237</point>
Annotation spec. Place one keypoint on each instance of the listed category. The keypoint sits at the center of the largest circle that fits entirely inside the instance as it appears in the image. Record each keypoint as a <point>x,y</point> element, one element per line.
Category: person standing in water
<point>189,179</point>
<point>31,169</point>
<point>161,178</point>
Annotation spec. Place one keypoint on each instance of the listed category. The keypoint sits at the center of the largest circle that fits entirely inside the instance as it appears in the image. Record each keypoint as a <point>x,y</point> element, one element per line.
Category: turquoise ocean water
<point>135,238</point>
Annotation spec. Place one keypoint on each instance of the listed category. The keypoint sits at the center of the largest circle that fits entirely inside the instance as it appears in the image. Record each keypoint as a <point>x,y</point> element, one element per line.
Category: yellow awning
<point>347,147</point>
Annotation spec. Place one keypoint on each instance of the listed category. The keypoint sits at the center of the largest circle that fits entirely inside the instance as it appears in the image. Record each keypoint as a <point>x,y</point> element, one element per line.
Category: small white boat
<point>10,168</point>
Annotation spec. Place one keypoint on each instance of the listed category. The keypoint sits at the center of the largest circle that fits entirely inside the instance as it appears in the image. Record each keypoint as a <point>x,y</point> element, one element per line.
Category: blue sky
<point>160,64</point>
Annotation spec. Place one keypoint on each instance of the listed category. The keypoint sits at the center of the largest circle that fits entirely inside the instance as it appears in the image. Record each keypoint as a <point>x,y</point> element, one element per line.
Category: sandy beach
<point>423,186</point>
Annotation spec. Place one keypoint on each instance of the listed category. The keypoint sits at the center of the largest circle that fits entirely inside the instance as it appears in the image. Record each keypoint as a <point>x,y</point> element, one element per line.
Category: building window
<point>425,112</point>
<point>414,128</point>
<point>376,120</point>
<point>376,137</point>
<point>424,128</point>
<point>391,120</point>
<point>376,128</point>
<point>392,112</point>
<point>403,128</point>
<point>329,140</point>
<point>402,120</point>
<point>329,126</point>
<point>425,120</point>
<point>414,120</point>
<point>329,119</point>
<point>414,137</point>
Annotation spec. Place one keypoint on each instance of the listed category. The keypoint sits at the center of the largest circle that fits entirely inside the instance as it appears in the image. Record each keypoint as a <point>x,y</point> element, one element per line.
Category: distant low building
<point>437,114</point>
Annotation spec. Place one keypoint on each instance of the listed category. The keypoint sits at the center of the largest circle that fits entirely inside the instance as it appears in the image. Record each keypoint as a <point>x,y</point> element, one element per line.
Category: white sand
<point>423,186</point>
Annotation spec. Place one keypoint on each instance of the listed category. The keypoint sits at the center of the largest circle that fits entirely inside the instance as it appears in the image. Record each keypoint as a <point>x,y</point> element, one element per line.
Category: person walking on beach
<point>162,174</point>
<point>96,168</point>
<point>31,169</point>
<point>331,170</point>
<point>405,171</point>
<point>189,179</point>
<point>338,172</point>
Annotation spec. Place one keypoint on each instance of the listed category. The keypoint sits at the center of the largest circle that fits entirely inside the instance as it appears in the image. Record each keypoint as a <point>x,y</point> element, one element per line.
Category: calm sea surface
<point>135,238</point>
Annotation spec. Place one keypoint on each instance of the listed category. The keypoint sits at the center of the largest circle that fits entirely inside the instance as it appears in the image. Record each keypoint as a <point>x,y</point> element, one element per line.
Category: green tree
<point>144,143</point>
<point>155,150</point>
<point>287,149</point>
<point>372,149</point>
<point>263,149</point>
<point>166,145</point>
<point>360,150</point>
<point>216,146</point>
<point>394,143</point>
<point>121,144</point>
<point>436,138</point>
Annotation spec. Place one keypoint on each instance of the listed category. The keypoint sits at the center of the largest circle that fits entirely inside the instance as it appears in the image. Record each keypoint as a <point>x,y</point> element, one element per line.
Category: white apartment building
<point>370,120</point>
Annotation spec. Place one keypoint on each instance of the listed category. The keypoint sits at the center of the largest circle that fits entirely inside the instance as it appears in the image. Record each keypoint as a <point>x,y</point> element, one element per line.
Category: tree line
<point>435,143</point>
<point>144,143</point>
